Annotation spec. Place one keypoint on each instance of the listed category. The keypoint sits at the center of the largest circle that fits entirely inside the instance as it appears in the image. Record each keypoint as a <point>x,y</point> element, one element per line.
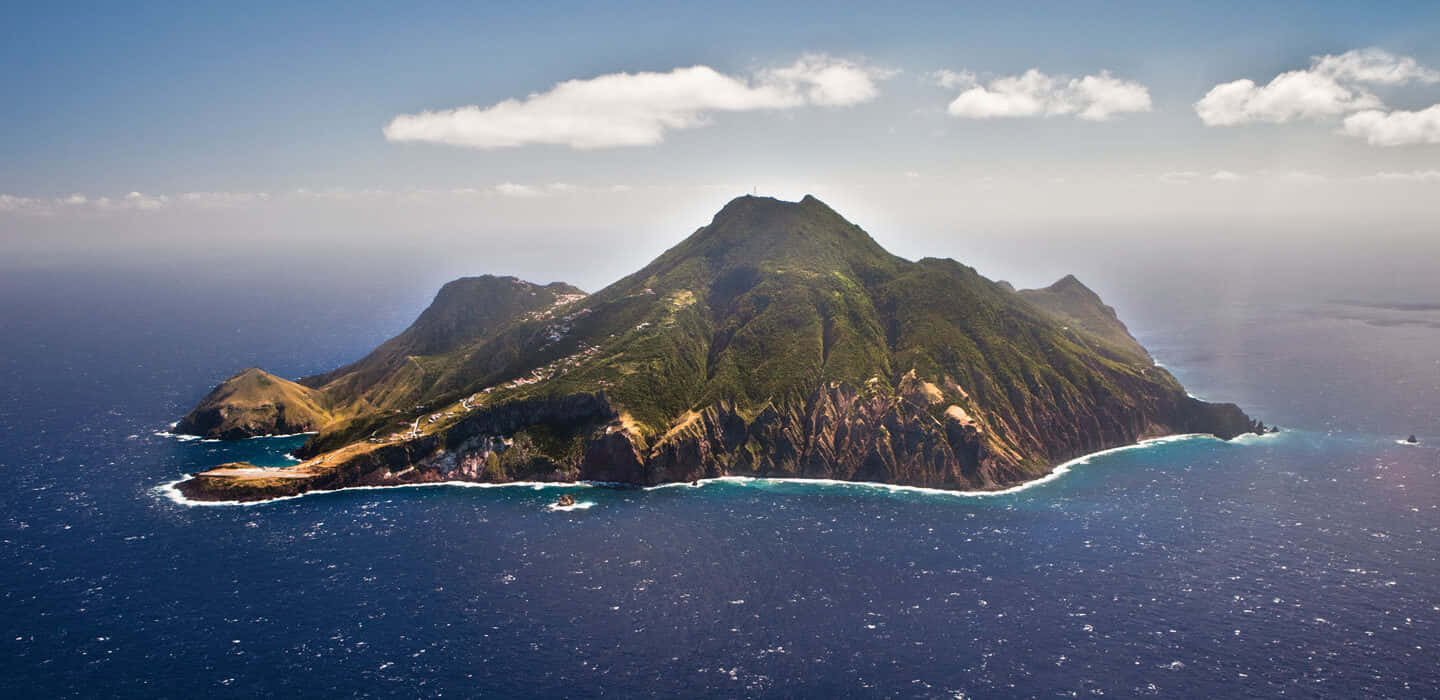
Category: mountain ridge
<point>779,339</point>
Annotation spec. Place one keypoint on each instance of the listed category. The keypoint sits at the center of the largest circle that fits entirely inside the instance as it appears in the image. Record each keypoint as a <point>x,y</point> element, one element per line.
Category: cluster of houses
<point>555,331</point>
<point>560,300</point>
<point>559,367</point>
<point>412,431</point>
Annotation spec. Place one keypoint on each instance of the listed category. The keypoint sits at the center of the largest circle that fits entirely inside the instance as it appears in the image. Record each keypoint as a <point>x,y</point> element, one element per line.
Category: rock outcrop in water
<point>780,340</point>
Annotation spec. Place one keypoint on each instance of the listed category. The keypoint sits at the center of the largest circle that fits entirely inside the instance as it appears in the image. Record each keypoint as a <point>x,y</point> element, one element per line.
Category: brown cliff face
<point>838,433</point>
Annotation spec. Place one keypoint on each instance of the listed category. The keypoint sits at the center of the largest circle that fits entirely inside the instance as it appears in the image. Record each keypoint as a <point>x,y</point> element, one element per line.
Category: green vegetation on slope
<point>749,327</point>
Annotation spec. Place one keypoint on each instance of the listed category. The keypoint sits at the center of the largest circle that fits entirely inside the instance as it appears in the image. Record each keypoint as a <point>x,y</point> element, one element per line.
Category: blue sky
<point>169,99</point>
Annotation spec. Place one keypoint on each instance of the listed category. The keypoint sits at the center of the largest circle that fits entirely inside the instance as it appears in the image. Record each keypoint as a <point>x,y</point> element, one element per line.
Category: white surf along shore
<point>170,491</point>
<point>196,438</point>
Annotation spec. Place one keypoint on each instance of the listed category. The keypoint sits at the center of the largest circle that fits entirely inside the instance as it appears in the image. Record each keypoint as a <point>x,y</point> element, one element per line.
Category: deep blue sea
<point>1305,564</point>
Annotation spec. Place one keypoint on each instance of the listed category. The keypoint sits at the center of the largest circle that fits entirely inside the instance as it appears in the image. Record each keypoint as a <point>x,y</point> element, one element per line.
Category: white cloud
<point>638,109</point>
<point>1185,177</point>
<point>1292,95</point>
<point>1297,177</point>
<point>1328,88</point>
<point>823,80</point>
<point>1034,94</point>
<point>222,199</point>
<point>1414,176</point>
<point>141,202</point>
<point>133,201</point>
<point>1373,65</point>
<point>1397,128</point>
<point>505,189</point>
<point>15,203</point>
<point>510,189</point>
<point>341,194</point>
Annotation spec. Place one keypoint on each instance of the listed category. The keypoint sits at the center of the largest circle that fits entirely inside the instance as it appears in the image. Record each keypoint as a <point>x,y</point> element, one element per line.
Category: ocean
<point>1300,564</point>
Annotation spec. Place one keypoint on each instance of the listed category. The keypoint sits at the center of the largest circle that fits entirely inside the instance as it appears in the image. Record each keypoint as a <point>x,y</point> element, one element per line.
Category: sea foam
<point>578,505</point>
<point>168,432</point>
<point>170,491</point>
<point>1055,473</point>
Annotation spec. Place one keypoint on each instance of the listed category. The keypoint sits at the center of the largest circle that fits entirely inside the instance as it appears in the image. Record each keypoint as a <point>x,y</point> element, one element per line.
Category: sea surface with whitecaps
<point>1303,564</point>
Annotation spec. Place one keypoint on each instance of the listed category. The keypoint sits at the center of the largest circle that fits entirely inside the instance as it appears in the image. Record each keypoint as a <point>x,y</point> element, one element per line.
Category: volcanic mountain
<point>779,340</point>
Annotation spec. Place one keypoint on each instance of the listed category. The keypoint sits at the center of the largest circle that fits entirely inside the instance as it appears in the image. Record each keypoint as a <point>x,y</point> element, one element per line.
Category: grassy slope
<point>1075,304</point>
<point>257,402</point>
<point>399,374</point>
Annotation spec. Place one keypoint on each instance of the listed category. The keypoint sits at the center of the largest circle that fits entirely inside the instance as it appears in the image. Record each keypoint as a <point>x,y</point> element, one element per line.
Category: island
<point>780,340</point>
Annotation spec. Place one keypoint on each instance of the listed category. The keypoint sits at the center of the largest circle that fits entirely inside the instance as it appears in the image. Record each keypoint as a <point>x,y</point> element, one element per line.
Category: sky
<point>576,142</point>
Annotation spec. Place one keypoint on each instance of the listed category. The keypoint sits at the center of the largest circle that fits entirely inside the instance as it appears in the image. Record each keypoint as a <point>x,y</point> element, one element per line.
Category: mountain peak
<point>1079,305</point>
<point>750,216</point>
<point>1070,284</point>
<point>752,203</point>
<point>753,238</point>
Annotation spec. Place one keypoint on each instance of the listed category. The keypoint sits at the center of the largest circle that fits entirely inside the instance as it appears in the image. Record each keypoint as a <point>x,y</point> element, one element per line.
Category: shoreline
<point>181,437</point>
<point>170,491</point>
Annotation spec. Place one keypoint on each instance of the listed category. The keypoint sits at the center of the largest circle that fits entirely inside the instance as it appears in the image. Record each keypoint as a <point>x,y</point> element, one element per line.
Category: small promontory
<point>255,402</point>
